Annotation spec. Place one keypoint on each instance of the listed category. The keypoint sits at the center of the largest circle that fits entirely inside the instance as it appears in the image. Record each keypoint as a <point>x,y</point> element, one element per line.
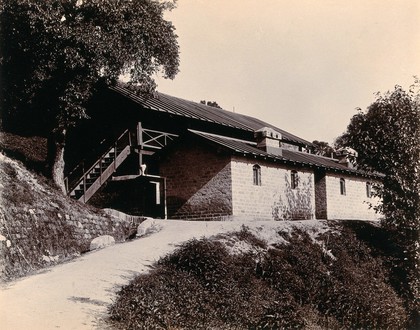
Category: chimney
<point>347,156</point>
<point>269,140</point>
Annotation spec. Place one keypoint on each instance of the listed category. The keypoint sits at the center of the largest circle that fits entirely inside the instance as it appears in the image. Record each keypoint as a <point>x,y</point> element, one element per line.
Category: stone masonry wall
<point>354,205</point>
<point>321,196</point>
<point>39,226</point>
<point>198,183</point>
<point>35,238</point>
<point>274,199</point>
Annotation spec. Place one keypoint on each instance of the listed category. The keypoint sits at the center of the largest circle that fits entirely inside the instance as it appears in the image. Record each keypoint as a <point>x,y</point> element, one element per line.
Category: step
<point>76,194</point>
<point>93,175</point>
<point>89,181</point>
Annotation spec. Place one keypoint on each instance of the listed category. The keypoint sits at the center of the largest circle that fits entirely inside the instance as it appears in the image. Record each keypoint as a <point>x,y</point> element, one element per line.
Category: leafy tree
<point>211,104</point>
<point>56,52</point>
<point>387,138</point>
<point>323,148</point>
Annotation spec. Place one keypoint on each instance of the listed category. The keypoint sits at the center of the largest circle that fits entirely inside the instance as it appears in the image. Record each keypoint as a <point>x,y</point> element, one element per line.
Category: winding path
<point>76,295</point>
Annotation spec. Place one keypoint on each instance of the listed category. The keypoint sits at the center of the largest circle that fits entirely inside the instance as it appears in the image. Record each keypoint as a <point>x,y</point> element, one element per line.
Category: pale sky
<point>304,66</point>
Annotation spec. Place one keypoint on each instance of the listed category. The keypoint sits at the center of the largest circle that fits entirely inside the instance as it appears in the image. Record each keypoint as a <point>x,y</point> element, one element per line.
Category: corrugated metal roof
<point>173,105</point>
<point>248,148</point>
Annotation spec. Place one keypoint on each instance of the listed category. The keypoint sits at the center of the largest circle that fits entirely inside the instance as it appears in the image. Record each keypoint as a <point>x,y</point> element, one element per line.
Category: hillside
<point>38,225</point>
<point>226,269</point>
<point>272,275</point>
<point>303,274</point>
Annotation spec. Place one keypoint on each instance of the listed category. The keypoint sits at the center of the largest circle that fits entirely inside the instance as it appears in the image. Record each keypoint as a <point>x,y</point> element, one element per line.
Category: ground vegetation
<point>386,136</point>
<point>343,279</point>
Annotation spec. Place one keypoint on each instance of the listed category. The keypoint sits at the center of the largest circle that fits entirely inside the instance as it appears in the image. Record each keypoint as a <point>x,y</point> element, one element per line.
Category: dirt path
<point>76,295</point>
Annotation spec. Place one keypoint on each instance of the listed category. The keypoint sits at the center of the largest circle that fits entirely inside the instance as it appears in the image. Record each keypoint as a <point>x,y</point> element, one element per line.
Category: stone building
<point>167,157</point>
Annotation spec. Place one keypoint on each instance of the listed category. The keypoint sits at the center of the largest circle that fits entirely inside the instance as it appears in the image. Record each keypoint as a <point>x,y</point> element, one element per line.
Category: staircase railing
<point>92,179</point>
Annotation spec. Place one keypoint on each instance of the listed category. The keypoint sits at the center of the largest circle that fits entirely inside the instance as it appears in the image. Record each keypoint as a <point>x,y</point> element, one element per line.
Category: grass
<point>340,282</point>
<point>32,151</point>
<point>41,225</point>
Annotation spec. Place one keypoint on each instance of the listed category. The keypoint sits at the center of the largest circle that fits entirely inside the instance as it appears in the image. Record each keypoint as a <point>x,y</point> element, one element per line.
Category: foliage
<point>32,151</point>
<point>339,282</point>
<point>246,236</point>
<point>387,137</point>
<point>211,104</point>
<point>298,201</point>
<point>323,148</point>
<point>43,227</point>
<point>55,53</point>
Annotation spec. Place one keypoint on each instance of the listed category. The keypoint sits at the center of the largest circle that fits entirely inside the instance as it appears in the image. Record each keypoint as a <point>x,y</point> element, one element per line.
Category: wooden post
<point>164,200</point>
<point>140,144</point>
<point>115,155</point>
<point>84,188</point>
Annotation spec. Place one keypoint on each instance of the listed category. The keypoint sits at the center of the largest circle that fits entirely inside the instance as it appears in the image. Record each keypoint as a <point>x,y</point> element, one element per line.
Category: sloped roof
<point>189,109</point>
<point>249,149</point>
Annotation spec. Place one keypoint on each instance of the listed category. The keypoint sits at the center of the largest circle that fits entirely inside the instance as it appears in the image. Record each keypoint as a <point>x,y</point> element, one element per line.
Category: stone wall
<point>273,199</point>
<point>354,205</point>
<point>33,238</point>
<point>320,195</point>
<point>39,226</point>
<point>198,183</point>
<point>205,184</point>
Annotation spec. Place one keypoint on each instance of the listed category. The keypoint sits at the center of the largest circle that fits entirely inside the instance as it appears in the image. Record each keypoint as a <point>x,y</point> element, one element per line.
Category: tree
<point>56,52</point>
<point>211,104</point>
<point>323,148</point>
<point>387,138</point>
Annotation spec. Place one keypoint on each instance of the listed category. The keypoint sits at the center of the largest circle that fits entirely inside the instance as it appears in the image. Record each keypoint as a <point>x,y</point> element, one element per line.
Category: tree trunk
<point>55,158</point>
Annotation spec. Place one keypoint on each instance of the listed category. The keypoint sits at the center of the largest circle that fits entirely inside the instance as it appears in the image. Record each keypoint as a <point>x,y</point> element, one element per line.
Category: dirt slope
<point>39,226</point>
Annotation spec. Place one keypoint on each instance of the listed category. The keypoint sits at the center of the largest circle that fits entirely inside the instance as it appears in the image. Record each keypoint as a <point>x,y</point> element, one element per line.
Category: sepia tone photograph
<point>197,164</point>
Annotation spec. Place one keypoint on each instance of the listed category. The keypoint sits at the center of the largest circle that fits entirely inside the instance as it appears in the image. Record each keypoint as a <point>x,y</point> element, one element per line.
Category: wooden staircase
<point>82,185</point>
<point>91,180</point>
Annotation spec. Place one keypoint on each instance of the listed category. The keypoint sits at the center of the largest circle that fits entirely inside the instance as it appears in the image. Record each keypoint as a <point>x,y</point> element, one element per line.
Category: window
<point>257,175</point>
<point>342,186</point>
<point>368,190</point>
<point>294,179</point>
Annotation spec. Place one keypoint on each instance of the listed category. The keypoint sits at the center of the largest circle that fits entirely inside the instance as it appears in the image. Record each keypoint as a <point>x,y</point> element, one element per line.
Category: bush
<point>334,283</point>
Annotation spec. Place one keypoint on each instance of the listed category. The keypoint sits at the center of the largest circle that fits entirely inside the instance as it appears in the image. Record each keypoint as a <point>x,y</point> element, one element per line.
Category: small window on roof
<point>342,186</point>
<point>294,180</point>
<point>256,169</point>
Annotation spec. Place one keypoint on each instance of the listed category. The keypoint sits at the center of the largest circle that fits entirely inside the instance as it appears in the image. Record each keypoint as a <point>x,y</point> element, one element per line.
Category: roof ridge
<point>167,103</point>
<point>222,136</point>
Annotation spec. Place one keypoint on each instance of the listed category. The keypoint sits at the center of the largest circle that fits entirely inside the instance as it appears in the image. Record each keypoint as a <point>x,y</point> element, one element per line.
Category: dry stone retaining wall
<point>36,238</point>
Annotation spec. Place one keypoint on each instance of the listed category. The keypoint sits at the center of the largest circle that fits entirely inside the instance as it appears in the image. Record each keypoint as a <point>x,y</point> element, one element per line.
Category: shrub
<point>359,294</point>
<point>334,283</point>
<point>245,235</point>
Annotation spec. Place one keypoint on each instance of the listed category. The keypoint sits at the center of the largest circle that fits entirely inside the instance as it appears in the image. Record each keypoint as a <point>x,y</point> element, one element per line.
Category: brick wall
<point>354,204</point>
<point>198,183</point>
<point>274,199</point>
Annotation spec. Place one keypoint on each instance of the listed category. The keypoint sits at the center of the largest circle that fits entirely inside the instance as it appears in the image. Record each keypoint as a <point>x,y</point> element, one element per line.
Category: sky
<point>303,66</point>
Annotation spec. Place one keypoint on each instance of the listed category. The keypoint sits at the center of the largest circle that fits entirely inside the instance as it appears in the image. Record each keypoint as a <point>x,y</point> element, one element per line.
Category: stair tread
<point>96,172</point>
